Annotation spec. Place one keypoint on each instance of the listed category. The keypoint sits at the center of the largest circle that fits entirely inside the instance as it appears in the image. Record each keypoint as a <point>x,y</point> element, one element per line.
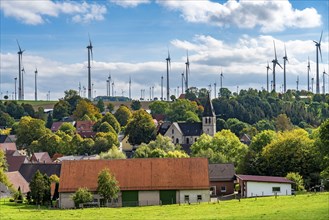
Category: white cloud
<point>270,16</point>
<point>37,12</point>
<point>129,3</point>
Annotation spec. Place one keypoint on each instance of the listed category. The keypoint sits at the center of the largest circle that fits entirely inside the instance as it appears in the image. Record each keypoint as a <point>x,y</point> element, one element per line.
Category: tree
<point>49,122</point>
<point>142,152</point>
<point>38,187</point>
<point>3,169</point>
<point>86,147</point>
<point>72,97</point>
<point>282,123</point>
<point>264,124</point>
<point>113,153</point>
<point>178,110</point>
<point>85,107</point>
<point>67,128</point>
<point>297,179</point>
<point>28,109</point>
<point>82,195</point>
<point>123,115</point>
<point>324,137</point>
<point>61,109</point>
<point>54,178</point>
<point>108,186</point>
<point>110,107</point>
<point>109,118</point>
<point>14,109</point>
<point>106,127</point>
<point>141,128</point>
<point>159,107</point>
<point>49,142</point>
<point>100,105</point>
<point>6,120</point>
<point>30,129</point>
<point>136,105</point>
<point>293,151</point>
<point>261,140</point>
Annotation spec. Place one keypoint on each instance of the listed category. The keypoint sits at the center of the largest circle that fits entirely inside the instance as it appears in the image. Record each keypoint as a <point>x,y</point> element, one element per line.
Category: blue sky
<point>131,39</point>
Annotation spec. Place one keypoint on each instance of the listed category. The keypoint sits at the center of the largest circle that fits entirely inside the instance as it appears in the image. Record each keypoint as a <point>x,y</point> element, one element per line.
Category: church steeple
<point>209,118</point>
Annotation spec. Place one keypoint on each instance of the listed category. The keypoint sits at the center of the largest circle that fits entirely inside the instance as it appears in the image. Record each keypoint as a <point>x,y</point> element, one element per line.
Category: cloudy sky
<point>132,38</point>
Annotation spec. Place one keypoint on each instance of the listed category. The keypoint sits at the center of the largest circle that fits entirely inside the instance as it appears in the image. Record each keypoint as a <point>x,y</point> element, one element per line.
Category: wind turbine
<point>324,81</point>
<point>161,88</point>
<point>15,88</point>
<point>308,74</point>
<point>20,56</point>
<point>35,85</point>
<point>221,79</point>
<point>109,84</point>
<point>318,49</point>
<point>90,54</point>
<point>187,70</point>
<point>297,83</point>
<point>267,68</point>
<point>183,79</point>
<point>215,84</point>
<point>129,87</point>
<point>168,66</point>
<point>285,60</point>
<point>275,62</point>
<point>22,89</point>
<point>312,83</point>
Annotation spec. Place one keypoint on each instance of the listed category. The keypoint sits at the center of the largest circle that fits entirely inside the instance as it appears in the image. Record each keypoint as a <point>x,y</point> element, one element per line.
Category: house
<point>8,146</point>
<point>28,170</point>
<point>56,125</point>
<point>87,134</point>
<point>186,133</point>
<point>251,186</point>
<point>41,157</point>
<point>77,157</point>
<point>18,181</point>
<point>221,177</point>
<point>6,138</point>
<point>245,139</point>
<point>14,160</point>
<point>84,126</point>
<point>148,181</point>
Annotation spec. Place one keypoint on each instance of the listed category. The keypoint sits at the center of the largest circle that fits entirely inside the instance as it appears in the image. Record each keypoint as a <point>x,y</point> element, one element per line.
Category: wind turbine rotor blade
<point>274,50</point>
<point>315,42</point>
<point>279,65</point>
<point>18,46</point>
<point>320,52</point>
<point>321,37</point>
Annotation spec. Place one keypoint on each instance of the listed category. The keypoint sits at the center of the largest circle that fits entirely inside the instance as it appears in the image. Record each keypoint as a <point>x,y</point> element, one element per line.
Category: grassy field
<point>310,206</point>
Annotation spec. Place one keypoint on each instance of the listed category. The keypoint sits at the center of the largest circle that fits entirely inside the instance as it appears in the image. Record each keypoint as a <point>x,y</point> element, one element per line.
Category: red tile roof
<point>18,181</point>
<point>41,157</point>
<point>55,126</point>
<point>137,174</point>
<point>8,146</point>
<point>271,179</point>
<point>84,126</point>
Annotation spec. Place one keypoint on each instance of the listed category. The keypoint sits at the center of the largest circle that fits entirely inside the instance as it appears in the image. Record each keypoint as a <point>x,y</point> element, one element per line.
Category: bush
<point>82,195</point>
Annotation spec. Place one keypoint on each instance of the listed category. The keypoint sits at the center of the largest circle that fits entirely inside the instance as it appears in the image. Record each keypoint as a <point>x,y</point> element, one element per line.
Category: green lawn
<point>310,206</point>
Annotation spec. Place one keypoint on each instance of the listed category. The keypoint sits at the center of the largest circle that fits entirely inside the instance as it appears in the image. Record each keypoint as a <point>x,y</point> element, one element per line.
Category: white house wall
<point>193,195</point>
<point>265,189</point>
<point>65,200</point>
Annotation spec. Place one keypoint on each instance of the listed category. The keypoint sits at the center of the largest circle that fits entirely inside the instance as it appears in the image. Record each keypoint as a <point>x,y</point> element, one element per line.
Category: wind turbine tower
<point>324,81</point>
<point>308,75</point>
<point>129,87</point>
<point>20,55</point>
<point>215,90</point>
<point>183,79</point>
<point>90,55</point>
<point>267,69</point>
<point>187,71</point>
<point>318,49</point>
<point>275,62</point>
<point>35,85</point>
<point>285,60</point>
<point>297,83</point>
<point>168,66</point>
<point>221,79</point>
<point>161,88</point>
<point>22,91</point>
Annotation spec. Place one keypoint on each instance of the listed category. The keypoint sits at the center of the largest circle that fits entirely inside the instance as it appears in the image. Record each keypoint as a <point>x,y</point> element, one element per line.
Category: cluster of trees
<point>107,188</point>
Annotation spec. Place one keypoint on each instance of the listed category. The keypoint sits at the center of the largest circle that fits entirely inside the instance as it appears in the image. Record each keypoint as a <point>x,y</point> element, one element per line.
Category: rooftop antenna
<point>285,60</point>
<point>308,74</point>
<point>267,82</point>
<point>20,57</point>
<point>90,55</point>
<point>168,66</point>
<point>275,62</point>
<point>187,70</point>
<point>318,49</point>
<point>35,85</point>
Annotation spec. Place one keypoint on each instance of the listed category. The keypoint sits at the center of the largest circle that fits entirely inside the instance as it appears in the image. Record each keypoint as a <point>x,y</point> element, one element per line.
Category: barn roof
<point>221,172</point>
<point>29,169</point>
<point>138,174</point>
<point>271,179</point>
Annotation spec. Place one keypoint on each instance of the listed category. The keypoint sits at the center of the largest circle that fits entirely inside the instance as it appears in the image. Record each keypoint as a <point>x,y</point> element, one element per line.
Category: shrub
<point>82,195</point>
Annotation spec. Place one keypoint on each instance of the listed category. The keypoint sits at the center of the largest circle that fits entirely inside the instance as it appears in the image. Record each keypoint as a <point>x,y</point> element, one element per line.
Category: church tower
<point>209,118</point>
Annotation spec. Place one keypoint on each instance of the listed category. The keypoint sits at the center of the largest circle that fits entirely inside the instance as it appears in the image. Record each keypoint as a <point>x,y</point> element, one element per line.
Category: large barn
<point>150,181</point>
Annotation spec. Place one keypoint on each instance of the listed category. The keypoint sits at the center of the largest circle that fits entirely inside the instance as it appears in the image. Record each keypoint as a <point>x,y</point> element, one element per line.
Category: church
<point>187,133</point>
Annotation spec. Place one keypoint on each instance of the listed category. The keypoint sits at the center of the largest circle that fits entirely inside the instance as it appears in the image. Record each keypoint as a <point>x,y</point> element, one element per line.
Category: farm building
<point>149,181</point>
<point>263,185</point>
<point>221,177</point>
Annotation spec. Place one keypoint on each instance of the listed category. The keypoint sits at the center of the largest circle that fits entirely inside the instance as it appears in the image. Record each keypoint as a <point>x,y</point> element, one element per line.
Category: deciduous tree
<point>108,186</point>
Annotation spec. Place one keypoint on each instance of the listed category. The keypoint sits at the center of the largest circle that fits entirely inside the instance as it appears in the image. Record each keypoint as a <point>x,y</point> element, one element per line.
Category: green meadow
<point>308,206</point>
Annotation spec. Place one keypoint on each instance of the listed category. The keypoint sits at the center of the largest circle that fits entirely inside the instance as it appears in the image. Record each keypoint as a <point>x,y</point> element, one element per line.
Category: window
<point>206,120</point>
<point>172,131</point>
<point>195,140</point>
<point>177,141</point>
<point>213,190</point>
<point>276,189</point>
<point>223,188</point>
<point>209,120</point>
<point>199,197</point>
<point>187,141</point>
<point>186,198</point>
